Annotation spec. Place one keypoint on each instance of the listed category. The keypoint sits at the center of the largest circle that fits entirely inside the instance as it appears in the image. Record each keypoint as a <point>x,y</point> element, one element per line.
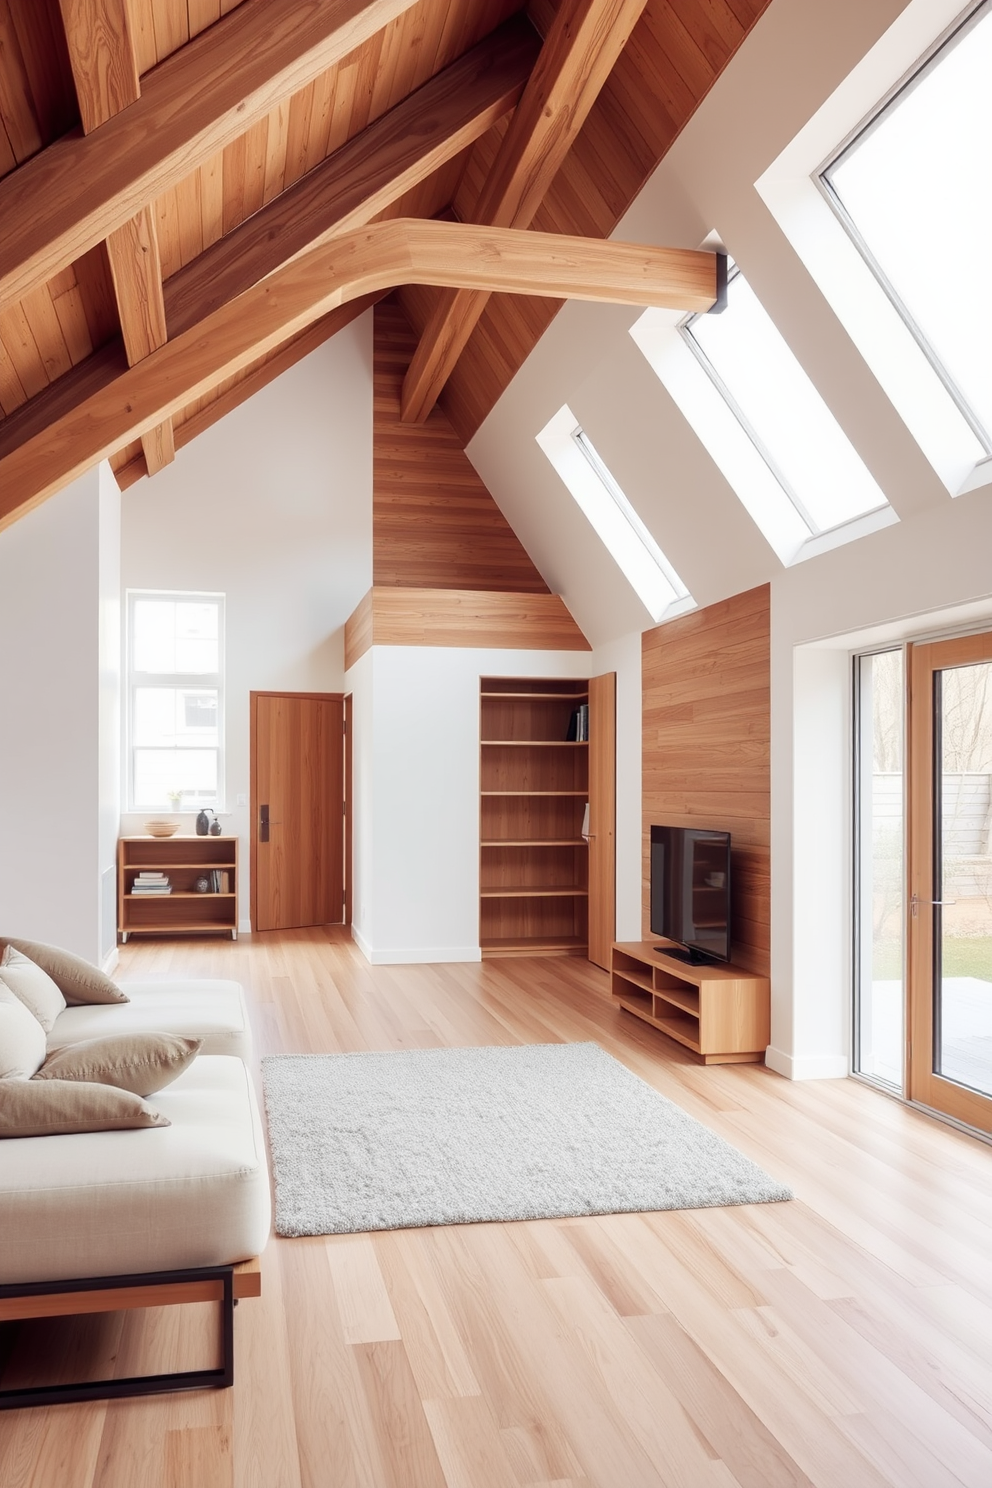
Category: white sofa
<point>206,1008</point>
<point>192,1194</point>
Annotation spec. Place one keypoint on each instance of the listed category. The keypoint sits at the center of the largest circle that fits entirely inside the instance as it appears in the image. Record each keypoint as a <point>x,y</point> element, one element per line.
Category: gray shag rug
<point>454,1136</point>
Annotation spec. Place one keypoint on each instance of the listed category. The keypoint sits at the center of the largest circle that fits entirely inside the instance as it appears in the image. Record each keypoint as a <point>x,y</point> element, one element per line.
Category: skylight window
<point>780,410</point>
<point>611,515</point>
<point>764,423</point>
<point>912,190</point>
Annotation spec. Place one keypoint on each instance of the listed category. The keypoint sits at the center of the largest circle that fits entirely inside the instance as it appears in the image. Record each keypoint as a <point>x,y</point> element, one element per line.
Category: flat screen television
<point>690,892</point>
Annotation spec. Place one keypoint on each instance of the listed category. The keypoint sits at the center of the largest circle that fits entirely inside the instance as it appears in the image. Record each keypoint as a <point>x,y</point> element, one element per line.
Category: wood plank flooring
<point>843,1340</point>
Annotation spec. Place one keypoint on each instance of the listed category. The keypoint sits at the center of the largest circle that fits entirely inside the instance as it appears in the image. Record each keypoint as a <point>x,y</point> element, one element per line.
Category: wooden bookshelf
<point>186,911</point>
<point>720,1012</point>
<point>534,874</point>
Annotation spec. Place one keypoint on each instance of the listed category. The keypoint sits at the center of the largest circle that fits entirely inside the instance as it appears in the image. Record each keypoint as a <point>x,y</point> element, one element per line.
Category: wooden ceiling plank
<point>101,53</point>
<point>72,318</point>
<point>365,261</point>
<point>202,13</point>
<point>105,71</point>
<point>404,147</point>
<point>81,188</point>
<point>584,42</point>
<point>18,117</point>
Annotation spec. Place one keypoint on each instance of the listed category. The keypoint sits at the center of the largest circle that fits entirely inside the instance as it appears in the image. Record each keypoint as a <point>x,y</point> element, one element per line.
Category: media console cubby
<point>720,1012</point>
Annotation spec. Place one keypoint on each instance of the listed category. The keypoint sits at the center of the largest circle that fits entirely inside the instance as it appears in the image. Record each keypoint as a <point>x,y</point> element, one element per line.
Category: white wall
<point>417,790</point>
<point>273,507</point>
<point>58,742</point>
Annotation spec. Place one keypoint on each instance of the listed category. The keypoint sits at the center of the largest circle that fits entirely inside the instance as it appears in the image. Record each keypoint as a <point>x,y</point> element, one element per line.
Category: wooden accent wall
<point>434,523</point>
<point>706,736</point>
<point>394,616</point>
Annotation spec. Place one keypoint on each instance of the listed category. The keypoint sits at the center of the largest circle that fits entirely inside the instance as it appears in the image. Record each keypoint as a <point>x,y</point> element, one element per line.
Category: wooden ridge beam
<point>105,72</point>
<point>583,43</point>
<point>365,261</point>
<point>76,192</point>
<point>363,177</point>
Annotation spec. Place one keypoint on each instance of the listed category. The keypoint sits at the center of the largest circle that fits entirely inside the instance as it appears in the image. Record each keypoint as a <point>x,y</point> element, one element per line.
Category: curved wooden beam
<point>365,261</point>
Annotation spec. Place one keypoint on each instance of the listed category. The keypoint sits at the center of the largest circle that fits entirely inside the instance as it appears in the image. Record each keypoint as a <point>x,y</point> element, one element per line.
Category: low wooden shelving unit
<point>534,873</point>
<point>185,911</point>
<point>720,1012</point>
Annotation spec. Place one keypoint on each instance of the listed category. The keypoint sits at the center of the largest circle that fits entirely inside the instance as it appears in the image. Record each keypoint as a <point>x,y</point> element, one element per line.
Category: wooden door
<point>949,1055</point>
<point>298,795</point>
<point>602,816</point>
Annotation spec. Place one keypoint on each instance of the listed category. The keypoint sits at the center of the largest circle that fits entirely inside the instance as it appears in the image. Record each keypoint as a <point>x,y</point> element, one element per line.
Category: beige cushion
<point>22,1038</point>
<point>33,986</point>
<point>57,1108</point>
<point>76,979</point>
<point>139,1062</point>
<point>206,1008</point>
<point>194,1193</point>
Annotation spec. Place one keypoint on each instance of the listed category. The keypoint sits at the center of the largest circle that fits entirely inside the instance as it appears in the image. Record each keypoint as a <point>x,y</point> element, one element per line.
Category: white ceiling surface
<point>797,54</point>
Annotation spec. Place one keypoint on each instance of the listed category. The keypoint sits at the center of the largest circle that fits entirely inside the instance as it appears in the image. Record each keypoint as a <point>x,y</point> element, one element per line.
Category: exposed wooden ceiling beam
<point>104,66</point>
<point>584,41</point>
<point>349,188</point>
<point>75,193</point>
<point>105,72</point>
<point>365,261</point>
<point>258,377</point>
<point>381,163</point>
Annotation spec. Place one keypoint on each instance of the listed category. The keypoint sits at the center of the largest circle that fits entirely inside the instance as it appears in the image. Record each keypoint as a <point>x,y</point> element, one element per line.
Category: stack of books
<point>578,725</point>
<point>149,881</point>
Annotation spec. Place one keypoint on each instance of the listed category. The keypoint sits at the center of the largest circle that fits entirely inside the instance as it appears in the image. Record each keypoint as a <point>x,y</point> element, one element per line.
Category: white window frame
<point>792,192</point>
<point>738,454</point>
<point>136,679</point>
<point>615,521</point>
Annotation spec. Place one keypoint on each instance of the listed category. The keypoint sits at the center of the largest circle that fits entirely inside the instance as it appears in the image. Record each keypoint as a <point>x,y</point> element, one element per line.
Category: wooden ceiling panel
<point>54,328</point>
<point>66,332</point>
<point>37,97</point>
<point>297,136</point>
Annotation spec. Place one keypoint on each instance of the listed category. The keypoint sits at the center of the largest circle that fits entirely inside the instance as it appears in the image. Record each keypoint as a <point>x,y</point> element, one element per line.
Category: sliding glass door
<point>950,878</point>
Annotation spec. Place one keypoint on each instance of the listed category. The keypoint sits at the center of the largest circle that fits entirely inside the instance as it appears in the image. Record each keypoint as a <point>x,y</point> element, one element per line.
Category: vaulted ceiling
<point>162,158</point>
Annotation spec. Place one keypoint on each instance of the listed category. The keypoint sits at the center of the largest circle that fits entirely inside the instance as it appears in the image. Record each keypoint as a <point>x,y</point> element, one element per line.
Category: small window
<point>175,701</point>
<point>911,189</point>
<point>764,423</point>
<point>611,515</point>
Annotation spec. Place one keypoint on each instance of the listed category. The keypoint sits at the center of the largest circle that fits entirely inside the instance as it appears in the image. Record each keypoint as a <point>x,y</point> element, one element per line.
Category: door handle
<point>916,901</point>
<point>263,823</point>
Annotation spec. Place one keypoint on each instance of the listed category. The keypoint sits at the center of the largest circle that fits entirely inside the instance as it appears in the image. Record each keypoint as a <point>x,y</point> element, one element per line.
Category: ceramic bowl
<point>161,828</point>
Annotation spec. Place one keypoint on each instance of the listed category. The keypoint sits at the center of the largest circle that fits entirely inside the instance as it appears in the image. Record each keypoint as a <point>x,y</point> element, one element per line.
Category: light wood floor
<point>843,1340</point>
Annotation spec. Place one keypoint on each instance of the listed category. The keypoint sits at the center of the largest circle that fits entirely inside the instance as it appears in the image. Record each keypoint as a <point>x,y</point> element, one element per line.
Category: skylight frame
<point>685,332</point>
<point>601,499</point>
<point>929,60</point>
<point>770,497</point>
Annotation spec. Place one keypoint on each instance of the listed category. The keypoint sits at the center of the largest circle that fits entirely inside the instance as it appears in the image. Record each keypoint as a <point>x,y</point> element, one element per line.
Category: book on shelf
<point>149,891</point>
<point>148,876</point>
<point>583,725</point>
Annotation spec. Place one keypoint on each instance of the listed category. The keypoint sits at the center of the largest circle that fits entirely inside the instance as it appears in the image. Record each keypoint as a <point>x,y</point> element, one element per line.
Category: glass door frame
<point>923,1085</point>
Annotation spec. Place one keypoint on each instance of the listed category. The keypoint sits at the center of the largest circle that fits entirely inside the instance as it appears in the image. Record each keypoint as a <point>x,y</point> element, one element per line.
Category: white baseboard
<point>807,1067</point>
<point>111,961</point>
<point>244,925</point>
<point>417,956</point>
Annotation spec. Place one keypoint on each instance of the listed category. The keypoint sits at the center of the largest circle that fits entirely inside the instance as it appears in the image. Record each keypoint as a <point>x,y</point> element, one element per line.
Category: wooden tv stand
<point>720,1012</point>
